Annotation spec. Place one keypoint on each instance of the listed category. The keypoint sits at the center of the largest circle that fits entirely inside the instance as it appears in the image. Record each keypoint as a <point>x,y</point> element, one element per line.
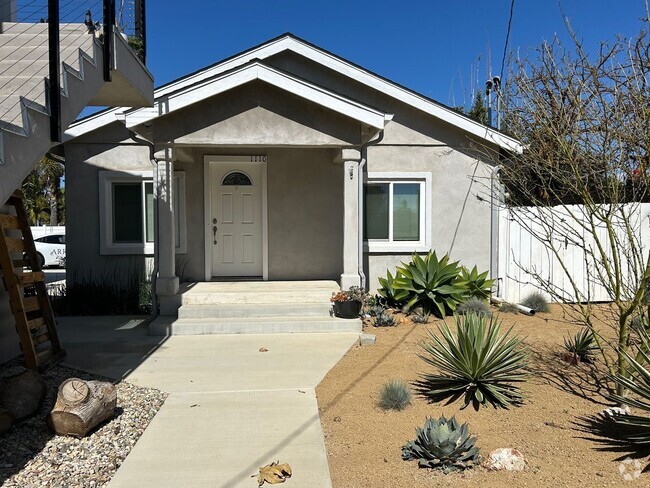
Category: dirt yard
<point>364,442</point>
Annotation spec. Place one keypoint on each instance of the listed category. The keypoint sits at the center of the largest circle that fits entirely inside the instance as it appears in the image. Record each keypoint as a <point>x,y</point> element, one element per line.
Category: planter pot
<point>350,309</point>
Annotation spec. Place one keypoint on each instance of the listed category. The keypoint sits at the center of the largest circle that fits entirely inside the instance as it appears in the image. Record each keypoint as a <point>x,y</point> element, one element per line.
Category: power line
<point>505,46</point>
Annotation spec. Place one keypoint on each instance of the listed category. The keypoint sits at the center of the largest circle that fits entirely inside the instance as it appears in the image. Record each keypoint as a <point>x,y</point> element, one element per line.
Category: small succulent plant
<point>581,345</point>
<point>443,444</point>
<point>419,318</point>
<point>474,305</point>
<point>375,310</point>
<point>537,301</point>
<point>396,395</point>
<point>384,319</point>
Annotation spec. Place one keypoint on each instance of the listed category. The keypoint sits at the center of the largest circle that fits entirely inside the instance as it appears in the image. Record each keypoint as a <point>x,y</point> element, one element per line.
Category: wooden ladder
<point>28,297</point>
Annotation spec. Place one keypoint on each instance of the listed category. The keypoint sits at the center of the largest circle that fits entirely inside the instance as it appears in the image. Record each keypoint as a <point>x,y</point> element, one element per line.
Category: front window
<point>395,212</point>
<point>128,206</point>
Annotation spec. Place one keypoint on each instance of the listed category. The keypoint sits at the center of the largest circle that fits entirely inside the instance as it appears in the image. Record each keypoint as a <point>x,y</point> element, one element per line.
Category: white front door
<point>235,221</point>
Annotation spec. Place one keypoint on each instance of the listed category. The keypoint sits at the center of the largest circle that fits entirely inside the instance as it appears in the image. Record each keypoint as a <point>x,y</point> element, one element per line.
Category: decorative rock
<point>506,459</point>
<point>612,412</point>
<point>367,339</point>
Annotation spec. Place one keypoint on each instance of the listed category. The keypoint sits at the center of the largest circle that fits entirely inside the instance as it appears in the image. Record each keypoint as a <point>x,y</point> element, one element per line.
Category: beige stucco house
<point>285,162</point>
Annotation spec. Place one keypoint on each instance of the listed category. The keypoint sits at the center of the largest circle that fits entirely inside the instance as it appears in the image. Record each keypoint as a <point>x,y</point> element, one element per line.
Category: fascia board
<point>220,84</point>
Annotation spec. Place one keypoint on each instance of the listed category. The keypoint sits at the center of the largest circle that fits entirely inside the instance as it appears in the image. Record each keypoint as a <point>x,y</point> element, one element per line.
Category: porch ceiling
<point>256,70</point>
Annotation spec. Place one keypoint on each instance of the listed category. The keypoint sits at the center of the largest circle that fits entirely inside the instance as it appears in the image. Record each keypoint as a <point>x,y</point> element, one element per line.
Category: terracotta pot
<point>349,309</point>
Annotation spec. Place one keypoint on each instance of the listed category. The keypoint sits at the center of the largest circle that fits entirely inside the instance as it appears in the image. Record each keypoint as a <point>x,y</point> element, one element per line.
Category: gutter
<point>156,226</point>
<point>362,164</point>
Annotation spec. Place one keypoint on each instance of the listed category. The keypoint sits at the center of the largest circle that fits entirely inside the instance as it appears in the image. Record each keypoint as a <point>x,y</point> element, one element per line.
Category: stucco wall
<point>459,209</point>
<point>83,163</point>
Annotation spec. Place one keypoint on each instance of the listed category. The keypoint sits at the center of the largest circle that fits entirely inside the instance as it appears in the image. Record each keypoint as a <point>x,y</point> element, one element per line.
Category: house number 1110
<point>258,159</point>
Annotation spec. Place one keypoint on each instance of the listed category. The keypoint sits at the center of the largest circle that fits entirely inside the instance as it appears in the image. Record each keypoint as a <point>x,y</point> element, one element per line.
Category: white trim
<point>257,71</point>
<point>106,180</point>
<point>424,244</point>
<point>207,207</point>
<point>290,43</point>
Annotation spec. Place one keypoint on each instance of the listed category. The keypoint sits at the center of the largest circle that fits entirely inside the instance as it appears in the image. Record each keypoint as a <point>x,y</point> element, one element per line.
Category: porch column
<point>350,159</point>
<point>167,282</point>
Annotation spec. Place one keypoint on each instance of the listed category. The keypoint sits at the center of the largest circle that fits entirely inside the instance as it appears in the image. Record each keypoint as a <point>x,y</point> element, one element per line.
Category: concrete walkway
<point>231,408</point>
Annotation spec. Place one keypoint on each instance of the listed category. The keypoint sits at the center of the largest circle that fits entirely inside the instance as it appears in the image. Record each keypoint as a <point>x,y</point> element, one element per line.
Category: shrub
<point>384,320</point>
<point>581,345</point>
<point>420,318</point>
<point>476,284</point>
<point>537,301</point>
<point>474,305</point>
<point>476,363</point>
<point>636,428</point>
<point>443,444</point>
<point>429,283</point>
<point>506,307</point>
<point>396,395</point>
<point>115,292</point>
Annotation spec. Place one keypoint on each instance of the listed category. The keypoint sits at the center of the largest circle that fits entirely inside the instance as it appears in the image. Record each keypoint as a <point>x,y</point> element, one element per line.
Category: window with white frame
<point>397,212</point>
<point>127,212</point>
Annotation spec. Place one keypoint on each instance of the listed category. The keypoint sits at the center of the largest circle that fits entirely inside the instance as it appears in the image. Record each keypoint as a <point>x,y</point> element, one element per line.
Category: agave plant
<point>581,345</point>
<point>443,444</point>
<point>476,362</point>
<point>429,282</point>
<point>392,295</point>
<point>637,428</point>
<point>476,284</point>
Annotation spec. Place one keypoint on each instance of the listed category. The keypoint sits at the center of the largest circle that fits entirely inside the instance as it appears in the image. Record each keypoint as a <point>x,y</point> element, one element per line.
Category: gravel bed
<point>32,456</point>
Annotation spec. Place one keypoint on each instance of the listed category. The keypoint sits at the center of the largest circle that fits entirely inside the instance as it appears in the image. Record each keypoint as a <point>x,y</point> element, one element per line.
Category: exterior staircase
<point>24,104</point>
<point>247,307</point>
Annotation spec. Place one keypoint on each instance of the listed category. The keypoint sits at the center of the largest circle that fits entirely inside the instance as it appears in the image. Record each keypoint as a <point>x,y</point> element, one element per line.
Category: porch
<point>254,307</point>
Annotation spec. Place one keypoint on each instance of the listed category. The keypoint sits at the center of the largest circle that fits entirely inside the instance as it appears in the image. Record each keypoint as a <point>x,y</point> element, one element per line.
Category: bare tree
<point>584,119</point>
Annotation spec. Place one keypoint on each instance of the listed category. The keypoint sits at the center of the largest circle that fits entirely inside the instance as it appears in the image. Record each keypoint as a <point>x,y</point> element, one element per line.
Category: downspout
<point>494,230</point>
<point>156,226</point>
<point>362,164</point>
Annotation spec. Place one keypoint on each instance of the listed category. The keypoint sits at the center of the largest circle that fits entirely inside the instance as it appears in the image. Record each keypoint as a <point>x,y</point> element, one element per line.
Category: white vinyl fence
<point>526,235</point>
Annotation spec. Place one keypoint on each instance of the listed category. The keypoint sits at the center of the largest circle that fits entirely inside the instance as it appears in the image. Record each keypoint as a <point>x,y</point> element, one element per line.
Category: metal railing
<point>124,16</point>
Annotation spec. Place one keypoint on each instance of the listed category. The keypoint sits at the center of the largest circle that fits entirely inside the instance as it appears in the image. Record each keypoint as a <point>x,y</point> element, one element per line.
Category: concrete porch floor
<point>231,408</point>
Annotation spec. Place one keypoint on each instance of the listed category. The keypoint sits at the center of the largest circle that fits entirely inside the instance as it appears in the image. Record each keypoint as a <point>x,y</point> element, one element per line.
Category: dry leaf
<point>274,473</point>
<point>263,349</point>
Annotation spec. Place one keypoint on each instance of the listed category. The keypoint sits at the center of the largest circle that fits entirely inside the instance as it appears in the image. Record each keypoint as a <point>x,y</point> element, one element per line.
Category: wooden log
<point>81,405</point>
<point>5,420</point>
<point>22,395</point>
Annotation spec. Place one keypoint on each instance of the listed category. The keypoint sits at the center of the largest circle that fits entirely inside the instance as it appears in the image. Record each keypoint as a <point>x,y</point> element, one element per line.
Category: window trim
<point>106,181</point>
<point>424,244</point>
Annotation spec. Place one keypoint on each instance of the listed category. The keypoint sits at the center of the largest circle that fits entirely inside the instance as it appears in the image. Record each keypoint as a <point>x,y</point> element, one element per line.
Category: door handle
<point>214,232</point>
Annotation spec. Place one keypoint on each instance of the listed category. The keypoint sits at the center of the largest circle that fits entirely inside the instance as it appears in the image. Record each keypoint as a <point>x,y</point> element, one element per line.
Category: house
<point>93,66</point>
<point>281,163</point>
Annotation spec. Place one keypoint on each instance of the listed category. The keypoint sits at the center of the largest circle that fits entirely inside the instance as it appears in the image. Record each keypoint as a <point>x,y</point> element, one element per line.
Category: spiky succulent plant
<point>443,444</point>
<point>581,345</point>
<point>476,362</point>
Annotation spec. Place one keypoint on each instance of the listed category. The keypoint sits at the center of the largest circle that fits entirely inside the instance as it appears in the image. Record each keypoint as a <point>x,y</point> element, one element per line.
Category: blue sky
<point>434,47</point>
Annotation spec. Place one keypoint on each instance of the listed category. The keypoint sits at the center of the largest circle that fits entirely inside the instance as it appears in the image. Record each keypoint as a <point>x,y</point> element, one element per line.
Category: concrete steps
<point>264,325</point>
<point>255,308</point>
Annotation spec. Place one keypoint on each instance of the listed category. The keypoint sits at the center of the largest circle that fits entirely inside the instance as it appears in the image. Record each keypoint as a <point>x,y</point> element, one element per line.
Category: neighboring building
<point>30,122</point>
<point>256,171</point>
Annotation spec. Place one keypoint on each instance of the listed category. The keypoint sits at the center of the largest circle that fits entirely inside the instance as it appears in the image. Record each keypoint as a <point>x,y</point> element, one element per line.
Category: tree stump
<point>22,395</point>
<point>81,405</point>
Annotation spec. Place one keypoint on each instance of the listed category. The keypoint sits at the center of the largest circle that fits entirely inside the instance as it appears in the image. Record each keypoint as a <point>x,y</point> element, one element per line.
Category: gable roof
<point>289,42</point>
<point>256,70</point>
